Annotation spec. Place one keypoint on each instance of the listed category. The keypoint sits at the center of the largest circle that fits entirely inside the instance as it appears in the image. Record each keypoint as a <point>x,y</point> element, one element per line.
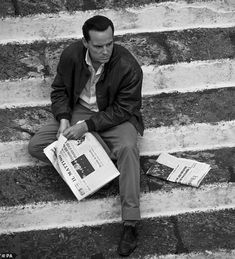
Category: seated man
<point>100,82</point>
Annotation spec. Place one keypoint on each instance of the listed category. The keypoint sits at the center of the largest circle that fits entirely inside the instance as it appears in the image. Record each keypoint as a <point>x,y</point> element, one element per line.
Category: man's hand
<point>64,124</point>
<point>76,131</point>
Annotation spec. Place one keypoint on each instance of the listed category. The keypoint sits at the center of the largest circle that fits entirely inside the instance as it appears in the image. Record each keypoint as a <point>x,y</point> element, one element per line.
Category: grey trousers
<point>121,141</point>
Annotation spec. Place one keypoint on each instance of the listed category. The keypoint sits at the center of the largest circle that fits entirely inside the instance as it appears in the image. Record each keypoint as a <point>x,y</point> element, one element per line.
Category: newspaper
<point>185,171</point>
<point>83,164</point>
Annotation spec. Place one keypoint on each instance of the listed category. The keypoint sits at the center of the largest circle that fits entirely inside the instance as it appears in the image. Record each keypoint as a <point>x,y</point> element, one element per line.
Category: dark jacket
<point>118,90</point>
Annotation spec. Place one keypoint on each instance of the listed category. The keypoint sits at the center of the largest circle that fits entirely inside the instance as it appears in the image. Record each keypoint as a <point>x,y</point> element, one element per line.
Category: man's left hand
<point>76,131</point>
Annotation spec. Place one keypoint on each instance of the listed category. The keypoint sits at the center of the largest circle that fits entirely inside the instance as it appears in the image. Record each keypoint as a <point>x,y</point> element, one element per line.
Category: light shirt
<point>87,97</point>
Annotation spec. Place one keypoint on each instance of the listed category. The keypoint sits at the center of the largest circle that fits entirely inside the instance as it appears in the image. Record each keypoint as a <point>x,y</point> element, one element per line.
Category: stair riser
<point>41,58</point>
<point>194,232</point>
<point>174,109</point>
<point>163,79</point>
<point>34,184</point>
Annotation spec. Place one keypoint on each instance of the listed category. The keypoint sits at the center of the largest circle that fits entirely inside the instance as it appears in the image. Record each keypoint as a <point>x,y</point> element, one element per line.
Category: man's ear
<point>84,42</point>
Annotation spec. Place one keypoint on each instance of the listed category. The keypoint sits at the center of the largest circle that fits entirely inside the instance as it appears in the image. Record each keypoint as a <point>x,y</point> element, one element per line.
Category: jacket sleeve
<point>126,104</point>
<point>59,96</point>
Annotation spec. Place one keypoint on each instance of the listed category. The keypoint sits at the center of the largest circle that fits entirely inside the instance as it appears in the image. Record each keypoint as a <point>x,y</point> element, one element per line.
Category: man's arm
<point>126,104</point>
<point>60,102</point>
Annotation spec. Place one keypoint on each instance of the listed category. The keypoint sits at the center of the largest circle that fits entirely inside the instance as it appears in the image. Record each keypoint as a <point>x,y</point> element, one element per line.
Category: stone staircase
<point>186,49</point>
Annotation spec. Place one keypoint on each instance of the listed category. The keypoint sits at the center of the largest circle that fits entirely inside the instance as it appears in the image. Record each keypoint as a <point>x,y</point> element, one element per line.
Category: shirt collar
<point>89,63</point>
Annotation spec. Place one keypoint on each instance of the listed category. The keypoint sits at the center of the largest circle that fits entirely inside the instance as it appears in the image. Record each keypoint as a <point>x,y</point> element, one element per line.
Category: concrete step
<point>183,46</point>
<point>157,48</point>
<point>42,184</point>
<point>178,77</point>
<point>198,136</point>
<point>145,18</point>
<point>201,233</point>
<point>173,114</point>
<point>93,212</point>
<point>175,109</point>
<point>27,7</point>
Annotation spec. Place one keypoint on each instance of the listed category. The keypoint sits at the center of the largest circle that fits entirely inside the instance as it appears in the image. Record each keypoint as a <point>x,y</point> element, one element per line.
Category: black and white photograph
<point>152,82</point>
<point>82,166</point>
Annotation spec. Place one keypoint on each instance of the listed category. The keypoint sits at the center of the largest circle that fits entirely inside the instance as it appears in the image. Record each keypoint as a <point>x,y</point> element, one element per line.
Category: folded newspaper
<point>185,171</point>
<point>83,164</point>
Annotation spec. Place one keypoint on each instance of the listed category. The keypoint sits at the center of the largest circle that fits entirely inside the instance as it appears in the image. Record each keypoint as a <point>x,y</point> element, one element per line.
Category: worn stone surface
<point>41,58</point>
<point>29,7</point>
<point>87,241</point>
<point>32,7</point>
<point>27,60</point>
<point>34,184</point>
<point>22,123</point>
<point>176,109</point>
<point>38,184</point>
<point>204,231</point>
<point>74,5</point>
<point>180,46</point>
<point>6,8</point>
<point>157,236</point>
<point>222,162</point>
<point>186,108</point>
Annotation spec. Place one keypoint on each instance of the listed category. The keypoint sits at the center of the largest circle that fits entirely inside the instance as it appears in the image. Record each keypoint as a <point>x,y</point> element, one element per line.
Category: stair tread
<point>41,184</point>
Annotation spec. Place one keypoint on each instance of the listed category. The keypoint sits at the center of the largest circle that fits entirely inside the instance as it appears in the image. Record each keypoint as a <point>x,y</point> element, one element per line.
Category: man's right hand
<point>64,124</point>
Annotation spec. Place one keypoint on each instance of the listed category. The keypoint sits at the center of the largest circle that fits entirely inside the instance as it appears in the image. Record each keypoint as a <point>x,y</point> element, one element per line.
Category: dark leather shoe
<point>128,241</point>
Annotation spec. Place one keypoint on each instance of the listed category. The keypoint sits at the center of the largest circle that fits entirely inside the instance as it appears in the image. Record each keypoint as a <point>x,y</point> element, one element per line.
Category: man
<point>99,82</point>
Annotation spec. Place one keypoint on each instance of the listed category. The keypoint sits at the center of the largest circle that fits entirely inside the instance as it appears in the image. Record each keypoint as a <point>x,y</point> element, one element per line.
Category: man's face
<point>100,45</point>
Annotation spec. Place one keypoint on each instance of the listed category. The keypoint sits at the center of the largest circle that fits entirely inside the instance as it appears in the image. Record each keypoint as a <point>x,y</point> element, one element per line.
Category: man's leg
<point>44,137</point>
<point>122,141</point>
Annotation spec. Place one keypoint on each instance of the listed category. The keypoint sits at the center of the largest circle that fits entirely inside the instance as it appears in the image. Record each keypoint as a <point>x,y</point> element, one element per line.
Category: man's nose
<point>105,50</point>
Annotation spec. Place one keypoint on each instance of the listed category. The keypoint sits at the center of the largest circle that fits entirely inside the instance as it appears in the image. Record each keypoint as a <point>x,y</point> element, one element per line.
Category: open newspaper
<point>185,171</point>
<point>83,164</point>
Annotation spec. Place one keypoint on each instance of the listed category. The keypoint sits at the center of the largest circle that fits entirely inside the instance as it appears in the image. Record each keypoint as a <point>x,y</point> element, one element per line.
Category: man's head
<point>98,38</point>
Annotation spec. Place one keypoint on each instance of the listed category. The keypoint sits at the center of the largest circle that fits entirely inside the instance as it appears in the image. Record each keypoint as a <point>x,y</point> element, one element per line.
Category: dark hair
<point>96,23</point>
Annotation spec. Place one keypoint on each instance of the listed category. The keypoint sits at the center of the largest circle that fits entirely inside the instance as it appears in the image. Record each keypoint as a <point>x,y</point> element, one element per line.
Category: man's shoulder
<point>122,52</point>
<point>73,51</point>
<point>125,58</point>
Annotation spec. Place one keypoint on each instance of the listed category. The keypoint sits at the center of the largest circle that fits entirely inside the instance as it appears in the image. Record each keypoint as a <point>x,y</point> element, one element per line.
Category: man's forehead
<point>103,37</point>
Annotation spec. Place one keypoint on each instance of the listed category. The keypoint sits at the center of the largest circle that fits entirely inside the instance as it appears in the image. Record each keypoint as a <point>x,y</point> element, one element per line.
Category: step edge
<point>110,208</point>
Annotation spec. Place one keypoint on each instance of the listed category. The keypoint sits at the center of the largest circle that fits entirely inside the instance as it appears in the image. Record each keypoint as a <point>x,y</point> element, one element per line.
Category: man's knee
<point>35,149</point>
<point>128,148</point>
<point>42,138</point>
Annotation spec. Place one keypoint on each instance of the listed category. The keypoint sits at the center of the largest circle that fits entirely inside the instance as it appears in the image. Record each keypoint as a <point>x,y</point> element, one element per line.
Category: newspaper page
<point>185,171</point>
<point>83,164</point>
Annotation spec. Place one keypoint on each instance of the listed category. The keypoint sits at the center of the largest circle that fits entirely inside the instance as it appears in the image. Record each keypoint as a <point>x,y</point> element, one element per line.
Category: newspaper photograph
<point>185,171</point>
<point>83,164</point>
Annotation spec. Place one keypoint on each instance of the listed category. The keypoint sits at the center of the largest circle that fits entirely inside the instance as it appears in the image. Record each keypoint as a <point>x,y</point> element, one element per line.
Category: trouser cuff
<point>130,214</point>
